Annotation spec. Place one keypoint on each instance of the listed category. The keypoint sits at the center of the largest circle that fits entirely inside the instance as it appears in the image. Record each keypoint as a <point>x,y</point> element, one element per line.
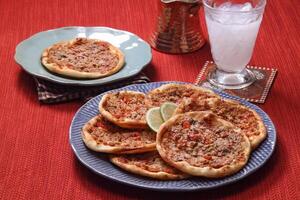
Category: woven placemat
<point>256,92</point>
<point>50,92</point>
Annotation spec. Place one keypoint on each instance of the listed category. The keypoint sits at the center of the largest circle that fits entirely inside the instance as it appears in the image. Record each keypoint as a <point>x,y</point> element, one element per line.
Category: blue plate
<point>137,52</point>
<point>99,163</point>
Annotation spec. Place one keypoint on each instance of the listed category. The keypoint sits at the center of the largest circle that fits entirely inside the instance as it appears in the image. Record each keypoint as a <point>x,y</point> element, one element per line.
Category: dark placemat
<point>49,92</point>
<point>256,92</point>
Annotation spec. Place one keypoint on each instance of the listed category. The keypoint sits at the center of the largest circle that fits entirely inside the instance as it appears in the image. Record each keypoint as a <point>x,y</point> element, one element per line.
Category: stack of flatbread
<point>207,136</point>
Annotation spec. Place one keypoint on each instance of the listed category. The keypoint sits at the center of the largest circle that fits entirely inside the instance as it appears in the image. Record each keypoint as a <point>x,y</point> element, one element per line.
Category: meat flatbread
<point>102,136</point>
<point>195,104</point>
<point>83,58</point>
<point>149,165</point>
<point>176,93</point>
<point>203,144</point>
<point>126,109</point>
<point>243,117</point>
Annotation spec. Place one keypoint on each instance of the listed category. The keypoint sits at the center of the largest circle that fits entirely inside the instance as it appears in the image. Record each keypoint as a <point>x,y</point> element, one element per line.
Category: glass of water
<point>232,28</point>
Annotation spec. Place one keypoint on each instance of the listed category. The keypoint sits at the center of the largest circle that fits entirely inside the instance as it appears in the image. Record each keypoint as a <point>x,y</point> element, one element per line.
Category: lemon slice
<point>154,119</point>
<point>167,109</point>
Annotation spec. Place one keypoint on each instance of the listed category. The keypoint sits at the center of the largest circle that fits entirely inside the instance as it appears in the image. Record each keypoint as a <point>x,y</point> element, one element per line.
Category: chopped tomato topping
<point>126,99</point>
<point>195,136</point>
<point>92,129</point>
<point>136,134</point>
<point>186,124</point>
<point>207,141</point>
<point>168,170</point>
<point>118,115</point>
<point>207,157</point>
<point>101,125</point>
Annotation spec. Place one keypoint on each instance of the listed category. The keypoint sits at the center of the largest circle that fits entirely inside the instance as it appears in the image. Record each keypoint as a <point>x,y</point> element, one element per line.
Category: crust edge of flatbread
<point>201,171</point>
<point>257,139</point>
<point>139,171</point>
<point>126,123</point>
<point>93,145</point>
<point>176,85</point>
<point>180,108</point>
<point>65,71</point>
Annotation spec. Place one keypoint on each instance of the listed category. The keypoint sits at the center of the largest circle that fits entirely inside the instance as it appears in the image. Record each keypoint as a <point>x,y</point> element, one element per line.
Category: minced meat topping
<point>195,104</point>
<point>150,162</point>
<point>203,143</point>
<point>175,95</point>
<point>232,112</point>
<point>123,105</point>
<point>104,132</point>
<point>84,55</point>
<point>238,115</point>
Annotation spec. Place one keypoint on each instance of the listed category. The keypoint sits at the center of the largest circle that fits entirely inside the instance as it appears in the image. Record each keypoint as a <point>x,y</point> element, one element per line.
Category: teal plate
<point>137,52</point>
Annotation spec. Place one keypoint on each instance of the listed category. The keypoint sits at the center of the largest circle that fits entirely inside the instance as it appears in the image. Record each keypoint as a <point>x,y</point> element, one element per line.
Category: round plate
<point>137,52</point>
<point>99,163</point>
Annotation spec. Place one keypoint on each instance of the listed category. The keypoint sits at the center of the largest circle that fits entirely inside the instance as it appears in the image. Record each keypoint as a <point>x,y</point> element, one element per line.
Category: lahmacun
<point>175,93</point>
<point>102,136</point>
<point>126,109</point>
<point>243,117</point>
<point>83,58</point>
<point>149,165</point>
<point>195,104</point>
<point>203,144</point>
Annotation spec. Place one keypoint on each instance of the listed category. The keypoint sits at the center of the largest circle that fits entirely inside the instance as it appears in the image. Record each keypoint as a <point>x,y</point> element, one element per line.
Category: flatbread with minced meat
<point>149,165</point>
<point>203,144</point>
<point>83,58</point>
<point>176,93</point>
<point>243,117</point>
<point>126,109</point>
<point>102,136</point>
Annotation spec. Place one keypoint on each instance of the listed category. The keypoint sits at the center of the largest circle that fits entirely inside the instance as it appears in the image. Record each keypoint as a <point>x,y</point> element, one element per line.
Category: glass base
<point>227,80</point>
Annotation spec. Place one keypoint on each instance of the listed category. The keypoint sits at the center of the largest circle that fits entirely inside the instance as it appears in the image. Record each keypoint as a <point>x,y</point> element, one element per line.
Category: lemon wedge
<point>167,110</point>
<point>154,119</point>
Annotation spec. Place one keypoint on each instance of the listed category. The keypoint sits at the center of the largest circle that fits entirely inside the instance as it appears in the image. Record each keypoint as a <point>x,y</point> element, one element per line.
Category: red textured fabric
<point>36,160</point>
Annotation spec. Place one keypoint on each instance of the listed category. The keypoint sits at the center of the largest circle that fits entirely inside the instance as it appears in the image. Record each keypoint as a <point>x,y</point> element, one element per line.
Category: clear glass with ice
<point>232,28</point>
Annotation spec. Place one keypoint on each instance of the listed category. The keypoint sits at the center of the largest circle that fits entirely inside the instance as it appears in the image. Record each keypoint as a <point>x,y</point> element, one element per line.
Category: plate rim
<point>165,188</point>
<point>77,82</point>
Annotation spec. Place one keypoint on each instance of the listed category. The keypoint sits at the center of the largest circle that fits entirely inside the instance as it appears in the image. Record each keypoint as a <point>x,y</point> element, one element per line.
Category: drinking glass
<point>232,28</point>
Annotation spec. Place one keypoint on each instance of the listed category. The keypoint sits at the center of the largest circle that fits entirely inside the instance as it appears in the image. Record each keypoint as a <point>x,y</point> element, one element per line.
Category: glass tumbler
<point>232,29</point>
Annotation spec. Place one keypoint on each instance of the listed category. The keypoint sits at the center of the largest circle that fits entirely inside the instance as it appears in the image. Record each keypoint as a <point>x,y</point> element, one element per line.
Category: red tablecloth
<point>36,160</point>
